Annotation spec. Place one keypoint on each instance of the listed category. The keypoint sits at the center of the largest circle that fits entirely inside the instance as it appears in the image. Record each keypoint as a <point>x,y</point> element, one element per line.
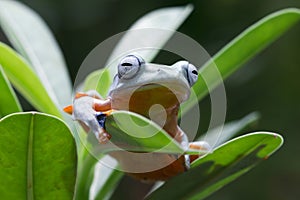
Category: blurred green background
<point>269,83</point>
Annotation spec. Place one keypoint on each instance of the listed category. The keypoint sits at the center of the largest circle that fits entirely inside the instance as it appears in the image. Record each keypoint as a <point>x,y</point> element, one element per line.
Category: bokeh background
<point>269,83</point>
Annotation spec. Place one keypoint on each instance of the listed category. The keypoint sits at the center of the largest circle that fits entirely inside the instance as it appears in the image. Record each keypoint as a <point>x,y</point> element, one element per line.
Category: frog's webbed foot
<point>199,145</point>
<point>202,146</point>
<point>87,109</point>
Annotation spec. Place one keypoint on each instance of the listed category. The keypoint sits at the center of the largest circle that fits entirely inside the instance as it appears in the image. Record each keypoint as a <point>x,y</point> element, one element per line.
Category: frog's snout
<point>189,70</point>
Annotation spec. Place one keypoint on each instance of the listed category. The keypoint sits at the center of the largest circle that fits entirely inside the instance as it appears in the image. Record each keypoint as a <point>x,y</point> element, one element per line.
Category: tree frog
<point>152,90</point>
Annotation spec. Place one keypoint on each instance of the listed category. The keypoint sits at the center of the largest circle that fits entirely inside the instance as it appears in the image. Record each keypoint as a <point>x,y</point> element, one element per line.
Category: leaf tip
<point>189,7</point>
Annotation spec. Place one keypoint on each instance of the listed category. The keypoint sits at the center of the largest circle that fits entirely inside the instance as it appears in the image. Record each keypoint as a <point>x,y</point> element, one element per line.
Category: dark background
<point>269,83</point>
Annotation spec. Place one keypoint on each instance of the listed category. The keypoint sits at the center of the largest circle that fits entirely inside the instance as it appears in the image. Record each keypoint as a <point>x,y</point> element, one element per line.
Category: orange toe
<point>68,109</point>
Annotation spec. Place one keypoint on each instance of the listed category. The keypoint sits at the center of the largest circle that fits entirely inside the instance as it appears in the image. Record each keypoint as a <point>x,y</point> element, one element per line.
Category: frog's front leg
<point>86,108</point>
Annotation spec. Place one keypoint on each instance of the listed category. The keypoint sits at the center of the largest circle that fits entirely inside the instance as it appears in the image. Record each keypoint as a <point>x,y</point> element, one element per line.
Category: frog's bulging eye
<point>129,66</point>
<point>192,73</point>
<point>190,70</point>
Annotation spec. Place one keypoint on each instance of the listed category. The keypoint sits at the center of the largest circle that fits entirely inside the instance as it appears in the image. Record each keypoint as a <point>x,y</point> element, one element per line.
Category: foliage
<point>38,156</point>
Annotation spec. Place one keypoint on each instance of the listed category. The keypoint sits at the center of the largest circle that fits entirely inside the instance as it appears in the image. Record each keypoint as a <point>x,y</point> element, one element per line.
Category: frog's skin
<point>139,87</point>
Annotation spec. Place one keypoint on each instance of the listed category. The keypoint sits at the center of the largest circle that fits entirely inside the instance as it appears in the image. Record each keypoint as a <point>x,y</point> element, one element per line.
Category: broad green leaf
<point>32,38</point>
<point>105,181</point>
<point>133,132</point>
<point>9,102</point>
<point>221,134</point>
<point>241,49</point>
<point>38,157</point>
<point>222,166</point>
<point>161,19</point>
<point>25,80</point>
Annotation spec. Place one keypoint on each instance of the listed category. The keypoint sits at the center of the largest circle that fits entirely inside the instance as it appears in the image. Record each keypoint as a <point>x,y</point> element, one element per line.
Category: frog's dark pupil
<point>126,64</point>
<point>195,72</point>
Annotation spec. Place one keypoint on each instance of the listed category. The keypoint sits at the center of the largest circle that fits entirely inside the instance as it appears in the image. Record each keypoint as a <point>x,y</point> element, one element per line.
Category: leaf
<point>9,101</point>
<point>94,179</point>
<point>225,164</point>
<point>221,134</point>
<point>85,176</point>
<point>25,81</point>
<point>38,157</point>
<point>167,19</point>
<point>99,80</point>
<point>105,181</point>
<point>133,132</point>
<point>130,132</point>
<point>241,49</point>
<point>32,38</point>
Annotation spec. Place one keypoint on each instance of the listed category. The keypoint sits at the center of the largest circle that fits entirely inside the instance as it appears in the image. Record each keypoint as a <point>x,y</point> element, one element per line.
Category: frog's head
<point>139,85</point>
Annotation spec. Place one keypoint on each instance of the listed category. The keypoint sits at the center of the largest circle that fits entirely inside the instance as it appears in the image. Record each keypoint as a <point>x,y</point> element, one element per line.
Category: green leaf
<point>25,81</point>
<point>241,49</point>
<point>38,157</point>
<point>32,38</point>
<point>99,80</point>
<point>165,18</point>
<point>222,166</point>
<point>106,180</point>
<point>218,135</point>
<point>133,132</point>
<point>135,37</point>
<point>95,180</point>
<point>9,101</point>
<point>85,176</point>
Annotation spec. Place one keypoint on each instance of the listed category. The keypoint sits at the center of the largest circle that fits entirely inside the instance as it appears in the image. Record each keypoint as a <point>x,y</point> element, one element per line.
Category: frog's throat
<point>152,90</point>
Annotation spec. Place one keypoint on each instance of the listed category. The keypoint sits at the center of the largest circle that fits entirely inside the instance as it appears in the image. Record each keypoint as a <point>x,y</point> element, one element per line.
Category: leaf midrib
<point>30,160</point>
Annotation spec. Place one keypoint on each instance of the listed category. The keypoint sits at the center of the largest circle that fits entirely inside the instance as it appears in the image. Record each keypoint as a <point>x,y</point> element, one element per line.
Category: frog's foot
<point>199,145</point>
<point>91,111</point>
<point>103,137</point>
<point>93,101</point>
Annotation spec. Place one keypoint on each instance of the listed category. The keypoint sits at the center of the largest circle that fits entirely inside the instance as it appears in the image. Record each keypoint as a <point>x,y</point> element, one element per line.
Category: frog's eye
<point>190,71</point>
<point>192,74</point>
<point>129,66</point>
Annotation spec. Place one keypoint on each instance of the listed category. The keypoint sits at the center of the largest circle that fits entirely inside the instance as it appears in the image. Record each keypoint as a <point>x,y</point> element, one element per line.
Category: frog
<point>154,91</point>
